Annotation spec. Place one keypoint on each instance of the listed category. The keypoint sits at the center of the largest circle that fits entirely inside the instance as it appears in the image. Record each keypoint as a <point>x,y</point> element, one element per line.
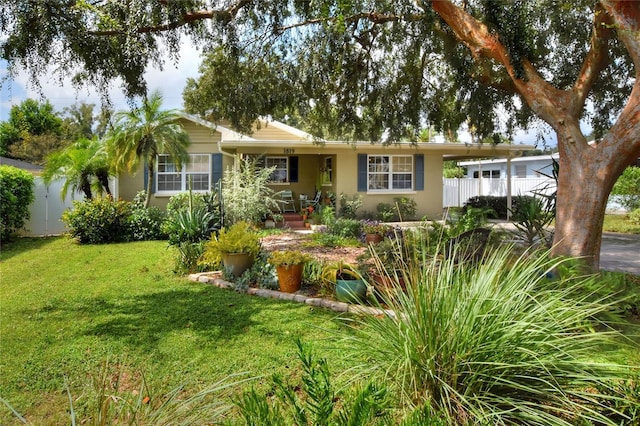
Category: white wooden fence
<point>47,208</point>
<point>457,191</point>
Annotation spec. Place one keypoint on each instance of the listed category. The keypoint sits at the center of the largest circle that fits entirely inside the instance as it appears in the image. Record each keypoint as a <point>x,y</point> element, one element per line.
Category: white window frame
<point>285,181</point>
<point>184,173</point>
<point>390,173</point>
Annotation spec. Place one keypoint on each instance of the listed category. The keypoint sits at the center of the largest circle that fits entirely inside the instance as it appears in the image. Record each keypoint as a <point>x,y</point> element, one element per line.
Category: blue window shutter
<point>216,169</point>
<point>362,172</point>
<point>419,174</point>
<point>293,169</point>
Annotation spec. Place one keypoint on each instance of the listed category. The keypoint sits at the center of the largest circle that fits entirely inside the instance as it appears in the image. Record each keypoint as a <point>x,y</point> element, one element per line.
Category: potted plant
<point>235,247</point>
<point>374,231</point>
<point>289,266</point>
<point>350,287</point>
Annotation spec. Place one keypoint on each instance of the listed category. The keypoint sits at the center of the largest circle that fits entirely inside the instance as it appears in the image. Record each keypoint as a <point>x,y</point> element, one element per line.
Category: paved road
<point>620,252</point>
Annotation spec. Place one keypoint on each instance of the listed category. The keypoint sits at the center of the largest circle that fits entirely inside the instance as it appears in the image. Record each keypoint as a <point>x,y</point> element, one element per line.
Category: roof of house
<point>34,168</point>
<point>526,159</point>
<point>296,138</point>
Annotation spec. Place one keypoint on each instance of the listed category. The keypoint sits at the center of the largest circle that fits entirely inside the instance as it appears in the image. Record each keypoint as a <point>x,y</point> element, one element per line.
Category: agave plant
<point>497,342</point>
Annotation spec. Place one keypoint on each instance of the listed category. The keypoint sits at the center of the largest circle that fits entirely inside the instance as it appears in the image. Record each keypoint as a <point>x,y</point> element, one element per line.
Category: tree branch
<point>186,19</point>
<point>597,59</point>
<point>545,100</point>
<point>376,18</point>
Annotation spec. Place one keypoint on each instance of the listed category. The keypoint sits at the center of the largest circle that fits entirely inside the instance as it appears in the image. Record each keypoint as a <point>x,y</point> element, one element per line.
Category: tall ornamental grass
<point>497,342</point>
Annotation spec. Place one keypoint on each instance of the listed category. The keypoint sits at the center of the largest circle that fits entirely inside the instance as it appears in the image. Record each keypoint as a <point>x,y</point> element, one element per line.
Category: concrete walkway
<point>620,252</point>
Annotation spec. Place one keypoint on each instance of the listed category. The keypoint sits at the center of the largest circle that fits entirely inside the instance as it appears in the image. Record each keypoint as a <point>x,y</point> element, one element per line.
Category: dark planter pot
<point>351,291</point>
<point>373,238</point>
<point>237,262</point>
<point>290,278</point>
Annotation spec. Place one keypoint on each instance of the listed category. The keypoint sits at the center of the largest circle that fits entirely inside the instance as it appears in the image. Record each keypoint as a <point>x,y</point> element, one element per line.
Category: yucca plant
<point>497,342</point>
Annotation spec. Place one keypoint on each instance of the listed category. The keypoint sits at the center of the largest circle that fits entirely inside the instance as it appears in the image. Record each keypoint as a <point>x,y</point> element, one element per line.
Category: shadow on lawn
<point>21,245</point>
<point>212,314</point>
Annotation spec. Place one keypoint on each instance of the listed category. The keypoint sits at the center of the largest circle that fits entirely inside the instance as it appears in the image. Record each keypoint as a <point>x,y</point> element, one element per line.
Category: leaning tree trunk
<point>150,168</point>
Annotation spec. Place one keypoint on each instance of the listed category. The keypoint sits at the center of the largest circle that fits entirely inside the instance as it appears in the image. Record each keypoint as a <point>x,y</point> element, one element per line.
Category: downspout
<point>228,154</point>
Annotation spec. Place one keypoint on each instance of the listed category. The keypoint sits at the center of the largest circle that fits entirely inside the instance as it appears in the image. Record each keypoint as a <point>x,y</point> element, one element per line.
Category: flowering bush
<point>375,227</point>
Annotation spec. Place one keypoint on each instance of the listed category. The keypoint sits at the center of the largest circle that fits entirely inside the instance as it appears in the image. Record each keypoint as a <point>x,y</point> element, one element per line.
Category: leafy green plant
<point>288,258</point>
<point>496,343</point>
<point>349,205</point>
<point>98,221</point>
<point>532,217</point>
<point>145,223</point>
<point>16,194</point>
<point>346,228</point>
<point>247,196</point>
<point>626,190</point>
<point>405,207</point>
<point>634,216</point>
<point>187,258</point>
<point>238,238</point>
<point>314,401</point>
<point>375,227</point>
<point>385,212</point>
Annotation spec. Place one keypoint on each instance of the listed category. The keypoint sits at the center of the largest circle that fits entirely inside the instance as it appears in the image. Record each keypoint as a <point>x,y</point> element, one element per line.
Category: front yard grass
<point>620,223</point>
<point>67,310</point>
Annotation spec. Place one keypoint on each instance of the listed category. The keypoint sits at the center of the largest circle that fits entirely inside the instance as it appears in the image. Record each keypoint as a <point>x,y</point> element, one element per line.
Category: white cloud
<point>170,81</point>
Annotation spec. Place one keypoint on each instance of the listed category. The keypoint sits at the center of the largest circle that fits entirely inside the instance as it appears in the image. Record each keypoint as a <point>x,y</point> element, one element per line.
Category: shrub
<point>16,194</point>
<point>495,343</point>
<point>246,194</point>
<point>98,221</point>
<point>634,216</point>
<point>406,208</point>
<point>346,228</point>
<point>349,205</point>
<point>626,190</point>
<point>385,212</point>
<point>146,223</point>
<point>498,204</point>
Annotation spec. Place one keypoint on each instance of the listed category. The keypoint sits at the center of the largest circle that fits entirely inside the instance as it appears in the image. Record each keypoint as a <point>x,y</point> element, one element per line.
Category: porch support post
<point>509,188</point>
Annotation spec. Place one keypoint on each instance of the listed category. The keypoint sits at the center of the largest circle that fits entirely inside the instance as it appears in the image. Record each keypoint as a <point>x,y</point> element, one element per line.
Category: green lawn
<point>620,223</point>
<point>67,310</point>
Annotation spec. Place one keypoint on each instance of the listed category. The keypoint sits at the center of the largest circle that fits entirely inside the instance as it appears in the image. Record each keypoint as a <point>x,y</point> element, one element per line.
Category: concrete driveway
<point>620,252</point>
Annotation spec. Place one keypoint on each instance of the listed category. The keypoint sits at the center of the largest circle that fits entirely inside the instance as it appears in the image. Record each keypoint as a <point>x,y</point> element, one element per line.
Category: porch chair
<point>287,201</point>
<point>306,202</point>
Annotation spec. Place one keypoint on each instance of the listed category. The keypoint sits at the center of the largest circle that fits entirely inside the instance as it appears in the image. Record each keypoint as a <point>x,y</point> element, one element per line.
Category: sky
<point>170,81</point>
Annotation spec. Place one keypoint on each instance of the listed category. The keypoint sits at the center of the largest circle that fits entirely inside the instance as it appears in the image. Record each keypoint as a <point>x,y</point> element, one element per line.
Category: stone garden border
<point>215,279</point>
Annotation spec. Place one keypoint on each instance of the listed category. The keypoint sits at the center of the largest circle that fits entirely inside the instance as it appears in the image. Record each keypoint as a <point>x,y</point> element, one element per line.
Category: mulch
<point>299,241</point>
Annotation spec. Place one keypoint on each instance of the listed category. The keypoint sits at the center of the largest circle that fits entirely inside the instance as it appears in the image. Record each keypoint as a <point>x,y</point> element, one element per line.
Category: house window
<point>327,171</point>
<point>197,171</point>
<point>521,171</point>
<point>487,174</point>
<point>389,172</point>
<point>279,175</point>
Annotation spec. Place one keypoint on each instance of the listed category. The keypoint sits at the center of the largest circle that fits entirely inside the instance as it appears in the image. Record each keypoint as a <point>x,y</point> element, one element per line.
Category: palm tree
<point>143,133</point>
<point>83,165</point>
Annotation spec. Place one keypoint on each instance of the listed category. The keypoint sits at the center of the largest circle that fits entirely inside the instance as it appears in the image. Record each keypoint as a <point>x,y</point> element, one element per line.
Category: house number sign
<point>289,151</point>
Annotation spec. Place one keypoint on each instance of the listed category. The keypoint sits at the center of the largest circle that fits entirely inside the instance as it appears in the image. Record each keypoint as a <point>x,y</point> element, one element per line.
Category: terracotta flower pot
<point>373,238</point>
<point>290,277</point>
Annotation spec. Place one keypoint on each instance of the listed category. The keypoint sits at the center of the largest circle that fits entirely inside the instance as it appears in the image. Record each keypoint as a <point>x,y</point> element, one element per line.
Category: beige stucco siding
<point>429,200</point>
